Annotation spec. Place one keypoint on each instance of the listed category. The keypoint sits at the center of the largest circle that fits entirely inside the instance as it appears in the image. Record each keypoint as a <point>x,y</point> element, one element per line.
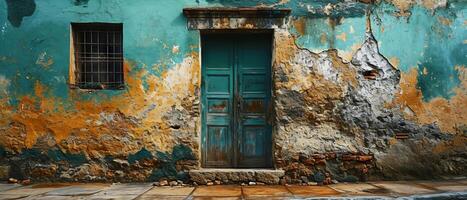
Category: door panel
<point>217,89</point>
<point>253,73</point>
<point>219,145</point>
<point>236,92</point>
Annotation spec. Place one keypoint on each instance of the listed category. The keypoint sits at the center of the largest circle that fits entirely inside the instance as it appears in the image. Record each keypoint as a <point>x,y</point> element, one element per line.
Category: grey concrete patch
<point>4,187</point>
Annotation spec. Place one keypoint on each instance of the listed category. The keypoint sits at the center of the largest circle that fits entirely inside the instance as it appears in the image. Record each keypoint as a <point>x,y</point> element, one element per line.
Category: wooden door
<point>236,93</point>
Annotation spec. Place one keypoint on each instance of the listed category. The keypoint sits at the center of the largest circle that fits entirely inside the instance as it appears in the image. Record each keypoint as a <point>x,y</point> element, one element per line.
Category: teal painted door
<point>236,93</point>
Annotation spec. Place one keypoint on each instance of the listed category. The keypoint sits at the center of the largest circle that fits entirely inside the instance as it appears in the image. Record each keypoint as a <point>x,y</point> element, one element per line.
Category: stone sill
<point>231,175</point>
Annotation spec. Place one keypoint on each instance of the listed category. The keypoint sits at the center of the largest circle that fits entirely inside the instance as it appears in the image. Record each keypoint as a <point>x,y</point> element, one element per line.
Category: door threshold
<point>235,175</point>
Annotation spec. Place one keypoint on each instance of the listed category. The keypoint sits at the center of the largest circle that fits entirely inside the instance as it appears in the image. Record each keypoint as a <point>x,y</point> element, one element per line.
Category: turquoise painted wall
<point>151,29</point>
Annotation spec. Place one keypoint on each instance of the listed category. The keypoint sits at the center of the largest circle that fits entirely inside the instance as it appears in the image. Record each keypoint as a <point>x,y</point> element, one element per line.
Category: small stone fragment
<point>26,182</point>
<point>252,183</point>
<point>156,184</point>
<point>282,181</point>
<point>209,183</point>
<point>173,183</point>
<point>304,179</point>
<point>312,183</point>
<point>163,183</point>
<point>12,180</point>
<point>217,182</point>
<point>260,183</point>
<point>334,181</point>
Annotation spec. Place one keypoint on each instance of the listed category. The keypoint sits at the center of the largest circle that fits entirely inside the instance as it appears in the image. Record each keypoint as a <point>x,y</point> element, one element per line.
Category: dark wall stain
<point>168,162</point>
<point>17,9</point>
<point>140,155</point>
<point>80,2</point>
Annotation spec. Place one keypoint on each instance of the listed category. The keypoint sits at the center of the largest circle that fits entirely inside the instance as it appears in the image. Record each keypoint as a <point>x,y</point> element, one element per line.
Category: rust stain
<point>395,62</point>
<point>342,36</point>
<point>403,6</point>
<point>449,115</point>
<point>323,38</point>
<point>445,21</point>
<point>458,142</point>
<point>300,25</point>
<point>255,106</point>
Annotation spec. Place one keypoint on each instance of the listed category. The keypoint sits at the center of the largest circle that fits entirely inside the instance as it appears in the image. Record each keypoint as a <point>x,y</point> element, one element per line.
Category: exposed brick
<point>364,158</point>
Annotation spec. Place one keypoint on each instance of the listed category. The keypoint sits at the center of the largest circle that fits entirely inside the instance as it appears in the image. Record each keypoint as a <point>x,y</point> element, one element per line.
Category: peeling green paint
<point>140,155</point>
<point>56,155</point>
<point>167,168</point>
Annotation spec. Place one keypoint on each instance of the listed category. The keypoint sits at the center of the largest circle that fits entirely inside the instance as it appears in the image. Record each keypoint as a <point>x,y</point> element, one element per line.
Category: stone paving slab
<point>122,191</point>
<point>444,186</point>
<point>464,182</point>
<point>270,191</point>
<point>12,196</point>
<point>78,190</point>
<point>4,187</point>
<point>112,197</point>
<point>392,190</point>
<point>30,190</point>
<point>404,188</point>
<point>169,191</point>
<point>154,197</point>
<point>218,191</point>
<point>305,191</point>
<point>359,189</point>
<point>57,198</point>
<point>216,198</point>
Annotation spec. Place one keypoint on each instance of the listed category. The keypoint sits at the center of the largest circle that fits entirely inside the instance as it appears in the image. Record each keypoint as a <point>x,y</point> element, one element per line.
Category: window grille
<point>98,51</point>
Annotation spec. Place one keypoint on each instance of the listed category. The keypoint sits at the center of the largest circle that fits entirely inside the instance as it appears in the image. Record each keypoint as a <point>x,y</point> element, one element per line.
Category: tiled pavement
<point>454,189</point>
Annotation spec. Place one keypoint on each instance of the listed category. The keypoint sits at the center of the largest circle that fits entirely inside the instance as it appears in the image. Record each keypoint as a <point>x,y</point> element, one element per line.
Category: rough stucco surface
<point>347,87</point>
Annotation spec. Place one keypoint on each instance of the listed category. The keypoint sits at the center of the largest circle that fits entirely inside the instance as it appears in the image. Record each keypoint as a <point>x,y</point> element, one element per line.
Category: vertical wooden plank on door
<point>217,95</point>
<point>253,54</point>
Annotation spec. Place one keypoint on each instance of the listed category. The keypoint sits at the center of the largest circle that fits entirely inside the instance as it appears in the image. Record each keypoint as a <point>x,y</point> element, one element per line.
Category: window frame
<point>74,69</point>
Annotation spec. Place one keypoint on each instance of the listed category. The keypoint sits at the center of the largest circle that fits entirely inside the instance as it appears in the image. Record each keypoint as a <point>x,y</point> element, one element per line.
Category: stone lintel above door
<point>236,18</point>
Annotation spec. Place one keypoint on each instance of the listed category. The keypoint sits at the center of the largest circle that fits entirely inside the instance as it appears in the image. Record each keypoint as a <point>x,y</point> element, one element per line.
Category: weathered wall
<point>343,92</point>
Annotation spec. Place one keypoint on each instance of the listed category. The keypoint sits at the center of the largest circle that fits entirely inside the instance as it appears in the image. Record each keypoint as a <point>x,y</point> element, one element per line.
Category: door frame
<point>271,108</point>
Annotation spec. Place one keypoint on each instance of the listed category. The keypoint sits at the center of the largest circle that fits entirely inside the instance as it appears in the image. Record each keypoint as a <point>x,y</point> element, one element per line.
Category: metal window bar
<point>98,55</point>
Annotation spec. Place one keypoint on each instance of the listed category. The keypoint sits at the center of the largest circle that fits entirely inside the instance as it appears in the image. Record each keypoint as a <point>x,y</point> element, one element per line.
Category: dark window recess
<point>98,55</point>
